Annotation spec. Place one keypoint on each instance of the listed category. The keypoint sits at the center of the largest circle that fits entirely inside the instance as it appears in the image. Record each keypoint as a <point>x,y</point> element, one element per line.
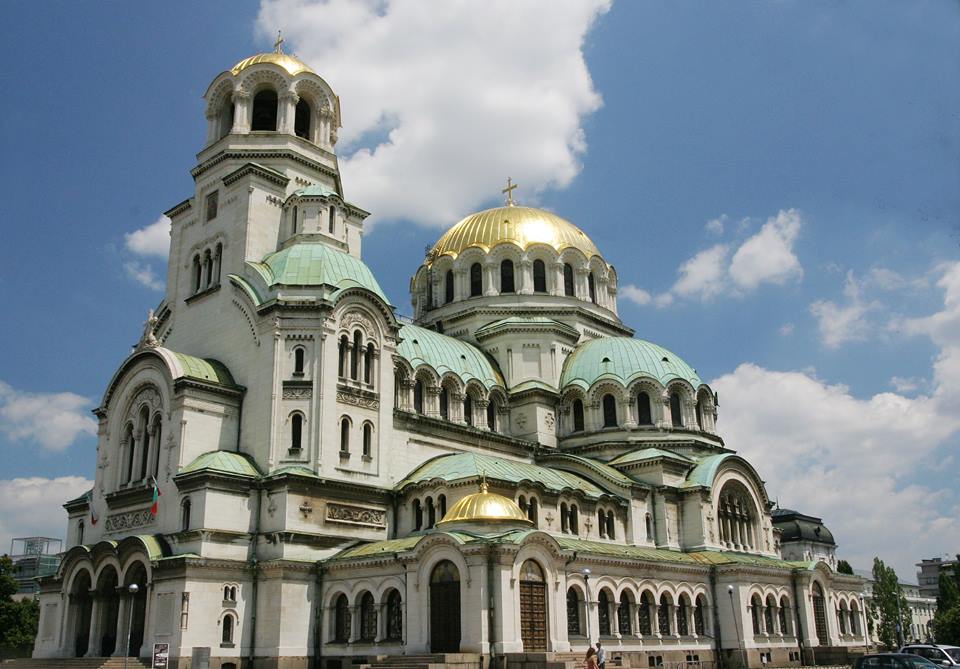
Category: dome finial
<point>483,482</point>
<point>278,45</point>
<point>509,191</point>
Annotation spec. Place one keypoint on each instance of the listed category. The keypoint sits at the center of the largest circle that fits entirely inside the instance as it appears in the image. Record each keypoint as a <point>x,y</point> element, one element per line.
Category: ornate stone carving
<point>356,515</point>
<point>357,400</point>
<point>521,420</point>
<point>355,318</point>
<point>129,520</point>
<point>549,420</point>
<point>297,393</point>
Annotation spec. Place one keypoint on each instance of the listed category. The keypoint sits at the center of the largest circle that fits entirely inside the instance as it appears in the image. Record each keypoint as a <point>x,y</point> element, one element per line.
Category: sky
<point>777,184</point>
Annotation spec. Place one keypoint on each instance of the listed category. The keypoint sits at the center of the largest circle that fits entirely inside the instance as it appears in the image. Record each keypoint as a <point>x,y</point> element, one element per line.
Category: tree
<point>843,567</point>
<point>18,620</point>
<point>889,605</point>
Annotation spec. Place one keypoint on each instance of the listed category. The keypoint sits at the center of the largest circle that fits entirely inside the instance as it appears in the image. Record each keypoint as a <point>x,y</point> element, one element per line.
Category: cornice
<point>178,209</point>
<point>254,155</point>
<point>136,494</point>
<point>257,170</point>
<point>463,434</point>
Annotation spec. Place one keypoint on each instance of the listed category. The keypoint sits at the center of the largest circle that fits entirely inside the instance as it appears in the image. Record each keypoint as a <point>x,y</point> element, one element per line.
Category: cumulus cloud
<point>150,240</point>
<point>848,322</point>
<point>786,329</point>
<point>842,457</point>
<point>143,273</point>
<point>703,275</point>
<point>442,101</point>
<point>52,420</point>
<point>635,295</point>
<point>716,225</point>
<point>32,506</point>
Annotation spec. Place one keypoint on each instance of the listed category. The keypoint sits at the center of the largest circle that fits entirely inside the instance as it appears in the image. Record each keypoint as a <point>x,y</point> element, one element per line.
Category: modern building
<point>506,478</point>
<point>928,574</point>
<point>33,558</point>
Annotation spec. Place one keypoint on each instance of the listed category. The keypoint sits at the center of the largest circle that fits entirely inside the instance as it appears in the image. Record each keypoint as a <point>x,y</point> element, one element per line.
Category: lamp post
<point>736,626</point>
<point>133,588</point>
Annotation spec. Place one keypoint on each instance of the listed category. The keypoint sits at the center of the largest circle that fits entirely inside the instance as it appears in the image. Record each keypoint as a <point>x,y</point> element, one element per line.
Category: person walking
<point>601,656</point>
<point>591,659</point>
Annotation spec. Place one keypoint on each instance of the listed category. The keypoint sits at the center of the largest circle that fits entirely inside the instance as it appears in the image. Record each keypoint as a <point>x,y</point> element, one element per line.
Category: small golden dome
<point>522,226</point>
<point>485,507</point>
<point>291,64</point>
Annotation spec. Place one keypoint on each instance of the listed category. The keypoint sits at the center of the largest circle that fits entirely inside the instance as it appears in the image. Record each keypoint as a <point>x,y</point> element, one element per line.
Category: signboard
<point>161,653</point>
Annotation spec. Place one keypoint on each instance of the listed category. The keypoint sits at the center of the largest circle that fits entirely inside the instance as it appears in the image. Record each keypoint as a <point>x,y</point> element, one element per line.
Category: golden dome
<point>522,226</point>
<point>485,507</point>
<point>291,64</point>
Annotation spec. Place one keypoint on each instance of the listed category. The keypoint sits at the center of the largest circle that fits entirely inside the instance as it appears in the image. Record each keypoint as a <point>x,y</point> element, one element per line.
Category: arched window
<point>331,219</point>
<point>602,523</point>
<point>341,620</point>
<point>564,518</point>
<point>492,415</point>
<point>539,277</point>
<point>768,613</point>
<point>229,593</point>
<point>568,280</point>
<point>573,612</point>
<point>574,520</point>
<point>418,396</point>
<point>675,415</point>
<point>208,269</point>
<point>648,521</point>
<point>80,533</point>
<point>468,409</point>
<point>737,517</point>
<point>368,364</point>
<point>506,276</point>
<point>342,356</point>
<point>841,617</point>
<point>699,623</point>
<point>226,117</point>
<point>476,280</point>
<point>755,613</point>
<point>592,287</point>
<point>298,358</point>
<point>293,222</point>
<point>782,615</point>
<point>417,515</point>
<point>197,274</point>
<point>264,111</point>
<point>444,404</point>
<point>394,616</point>
<point>344,435</point>
<point>609,411</point>
<point>577,415</point>
<point>644,415</point>
<point>129,443</point>
<point>623,614</point>
<point>644,614</point>
<point>854,620</point>
<point>355,355</point>
<point>448,287</point>
<point>683,625</point>
<point>296,432</point>
<point>699,410</point>
<point>663,616</point>
<point>185,515</point>
<point>218,261</point>
<point>611,530</point>
<point>442,506</point>
<point>603,613</point>
<point>431,513</point>
<point>226,633</point>
<point>368,618</point>
<point>532,511</point>
<point>301,119</point>
<point>367,440</point>
<point>144,441</point>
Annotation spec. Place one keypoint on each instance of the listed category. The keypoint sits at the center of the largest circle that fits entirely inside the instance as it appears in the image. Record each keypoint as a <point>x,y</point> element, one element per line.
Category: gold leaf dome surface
<point>522,226</point>
<point>291,64</point>
<point>485,507</point>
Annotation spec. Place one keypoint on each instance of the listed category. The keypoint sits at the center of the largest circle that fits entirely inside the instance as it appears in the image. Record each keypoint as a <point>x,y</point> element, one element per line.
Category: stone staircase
<point>544,661</point>
<point>74,663</point>
<point>434,661</point>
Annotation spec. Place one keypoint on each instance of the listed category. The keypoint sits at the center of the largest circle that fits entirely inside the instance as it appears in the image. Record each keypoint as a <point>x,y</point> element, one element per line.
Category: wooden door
<point>533,607</point>
<point>445,608</point>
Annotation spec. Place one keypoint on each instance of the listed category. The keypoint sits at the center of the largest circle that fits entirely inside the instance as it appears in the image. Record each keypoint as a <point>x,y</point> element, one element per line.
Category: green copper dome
<point>446,354</point>
<point>315,264</point>
<point>624,359</point>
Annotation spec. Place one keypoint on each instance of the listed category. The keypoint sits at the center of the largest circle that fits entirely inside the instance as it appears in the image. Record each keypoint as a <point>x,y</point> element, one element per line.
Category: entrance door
<point>445,608</point>
<point>533,607</point>
<point>820,615</point>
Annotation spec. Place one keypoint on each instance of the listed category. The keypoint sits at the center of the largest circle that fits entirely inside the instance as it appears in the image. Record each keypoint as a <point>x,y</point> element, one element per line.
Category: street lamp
<point>133,588</point>
<point>736,626</point>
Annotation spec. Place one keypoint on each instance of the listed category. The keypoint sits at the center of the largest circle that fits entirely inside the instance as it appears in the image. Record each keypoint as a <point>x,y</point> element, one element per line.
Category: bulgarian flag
<point>156,498</point>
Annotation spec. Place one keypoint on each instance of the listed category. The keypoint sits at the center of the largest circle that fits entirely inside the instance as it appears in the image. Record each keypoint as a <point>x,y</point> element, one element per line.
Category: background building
<point>33,557</point>
<point>928,574</point>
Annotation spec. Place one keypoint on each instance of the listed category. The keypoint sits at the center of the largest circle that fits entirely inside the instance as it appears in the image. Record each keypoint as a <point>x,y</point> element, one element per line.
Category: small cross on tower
<point>509,191</point>
<point>277,46</point>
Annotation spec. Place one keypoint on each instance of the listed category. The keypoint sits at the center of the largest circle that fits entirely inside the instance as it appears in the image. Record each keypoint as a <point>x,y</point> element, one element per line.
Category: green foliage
<point>18,620</point>
<point>946,623</point>
<point>843,567</point>
<point>887,593</point>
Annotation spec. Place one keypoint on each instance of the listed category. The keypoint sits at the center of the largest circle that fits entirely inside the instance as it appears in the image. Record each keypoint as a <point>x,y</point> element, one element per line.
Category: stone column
<point>655,619</point>
<point>556,287</point>
<point>525,286</point>
<point>461,284</point>
<point>580,283</point>
<point>480,414</point>
<point>241,113</point>
<point>489,287</point>
<point>212,116</point>
<point>287,112</point>
<point>615,620</point>
<point>624,408</point>
<point>93,638</point>
<point>120,647</point>
<point>431,396</point>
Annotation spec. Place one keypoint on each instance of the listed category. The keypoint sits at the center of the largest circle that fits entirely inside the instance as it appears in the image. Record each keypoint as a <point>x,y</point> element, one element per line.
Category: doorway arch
<point>81,605</point>
<point>820,615</point>
<point>533,607</point>
<point>136,573</point>
<point>445,608</point>
<point>109,612</point>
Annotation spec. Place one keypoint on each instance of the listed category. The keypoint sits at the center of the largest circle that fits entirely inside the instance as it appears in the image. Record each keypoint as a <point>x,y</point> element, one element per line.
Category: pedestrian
<point>591,659</point>
<point>601,656</point>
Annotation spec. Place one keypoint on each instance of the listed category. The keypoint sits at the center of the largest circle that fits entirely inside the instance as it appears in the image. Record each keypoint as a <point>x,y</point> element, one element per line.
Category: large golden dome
<point>291,64</point>
<point>485,507</point>
<point>522,226</point>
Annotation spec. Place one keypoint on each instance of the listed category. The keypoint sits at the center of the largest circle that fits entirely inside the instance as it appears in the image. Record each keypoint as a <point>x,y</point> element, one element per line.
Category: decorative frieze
<point>130,520</point>
<point>358,398</point>
<point>356,515</point>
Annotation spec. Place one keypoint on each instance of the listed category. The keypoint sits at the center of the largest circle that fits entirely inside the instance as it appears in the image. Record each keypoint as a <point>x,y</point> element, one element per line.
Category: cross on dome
<point>509,191</point>
<point>278,45</point>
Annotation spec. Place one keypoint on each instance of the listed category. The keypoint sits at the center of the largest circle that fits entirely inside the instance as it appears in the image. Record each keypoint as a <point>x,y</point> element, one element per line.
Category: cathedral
<point>291,475</point>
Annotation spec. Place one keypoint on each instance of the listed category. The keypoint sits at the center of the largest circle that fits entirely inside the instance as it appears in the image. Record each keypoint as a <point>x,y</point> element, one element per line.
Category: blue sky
<point>821,139</point>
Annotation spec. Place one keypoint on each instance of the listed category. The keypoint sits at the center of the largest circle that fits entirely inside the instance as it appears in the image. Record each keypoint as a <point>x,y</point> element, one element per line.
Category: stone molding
<point>356,515</point>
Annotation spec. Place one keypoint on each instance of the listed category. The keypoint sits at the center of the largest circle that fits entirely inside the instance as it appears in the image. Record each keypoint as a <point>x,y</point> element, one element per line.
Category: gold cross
<point>276,45</point>
<point>509,191</point>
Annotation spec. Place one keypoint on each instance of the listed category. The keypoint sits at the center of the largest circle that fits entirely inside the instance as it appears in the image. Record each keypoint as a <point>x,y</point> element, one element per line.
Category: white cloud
<point>458,96</point>
<point>703,275</point>
<point>844,458</point>
<point>840,324</point>
<point>906,385</point>
<point>767,257</point>
<point>52,420</point>
<point>32,506</point>
<point>634,294</point>
<point>150,240</point>
<point>144,274</point>
<point>786,329</point>
<point>887,279</point>
<point>715,226</point>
